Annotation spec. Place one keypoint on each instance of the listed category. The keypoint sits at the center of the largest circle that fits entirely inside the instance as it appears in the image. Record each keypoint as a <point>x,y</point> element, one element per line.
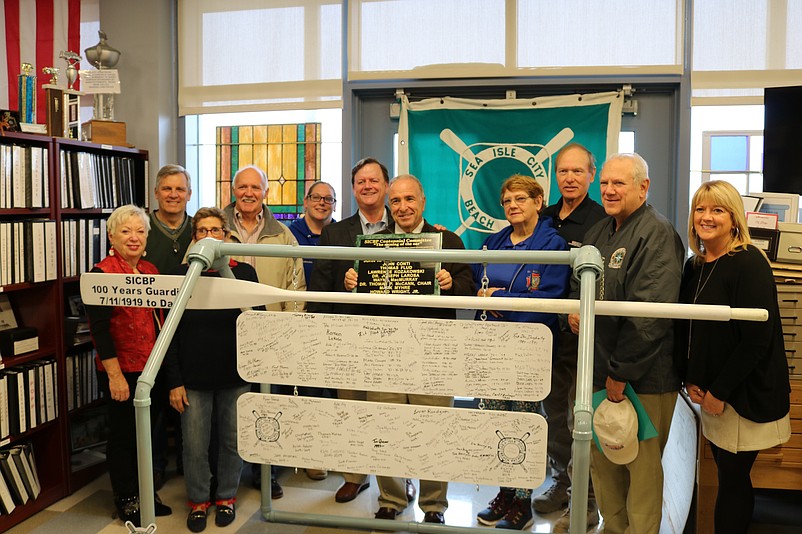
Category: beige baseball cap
<point>616,427</point>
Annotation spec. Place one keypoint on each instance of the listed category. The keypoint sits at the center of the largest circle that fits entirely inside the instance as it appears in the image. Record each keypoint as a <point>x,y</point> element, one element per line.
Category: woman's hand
<point>695,393</point>
<point>178,398</point>
<point>712,405</point>
<point>118,386</point>
<point>444,279</point>
<point>350,279</point>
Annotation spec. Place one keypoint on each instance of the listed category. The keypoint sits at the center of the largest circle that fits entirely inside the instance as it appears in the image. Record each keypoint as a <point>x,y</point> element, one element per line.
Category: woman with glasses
<point>319,205</point>
<point>201,372</point>
<point>522,200</point>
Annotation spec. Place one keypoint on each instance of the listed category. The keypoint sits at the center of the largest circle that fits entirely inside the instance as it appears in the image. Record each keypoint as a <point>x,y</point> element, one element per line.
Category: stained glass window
<point>288,153</point>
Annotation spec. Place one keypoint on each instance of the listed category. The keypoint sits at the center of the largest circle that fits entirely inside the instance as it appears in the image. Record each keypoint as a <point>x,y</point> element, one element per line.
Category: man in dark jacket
<point>407,202</point>
<point>643,257</point>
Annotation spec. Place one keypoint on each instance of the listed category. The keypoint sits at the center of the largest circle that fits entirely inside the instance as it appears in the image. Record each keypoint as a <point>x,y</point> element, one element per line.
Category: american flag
<point>35,32</point>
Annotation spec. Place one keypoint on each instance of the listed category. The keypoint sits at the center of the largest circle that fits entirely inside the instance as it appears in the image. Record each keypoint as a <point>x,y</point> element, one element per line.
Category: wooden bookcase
<point>45,304</point>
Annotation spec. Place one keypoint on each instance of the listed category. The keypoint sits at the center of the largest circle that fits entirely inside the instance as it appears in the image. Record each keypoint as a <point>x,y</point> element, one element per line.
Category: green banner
<point>463,150</point>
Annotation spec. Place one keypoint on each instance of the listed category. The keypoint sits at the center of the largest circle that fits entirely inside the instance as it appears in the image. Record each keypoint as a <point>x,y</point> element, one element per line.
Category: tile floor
<point>89,509</point>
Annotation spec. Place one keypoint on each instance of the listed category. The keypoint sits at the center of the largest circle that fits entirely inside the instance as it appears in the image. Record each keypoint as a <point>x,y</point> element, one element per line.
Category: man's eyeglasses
<point>318,198</point>
<point>214,232</point>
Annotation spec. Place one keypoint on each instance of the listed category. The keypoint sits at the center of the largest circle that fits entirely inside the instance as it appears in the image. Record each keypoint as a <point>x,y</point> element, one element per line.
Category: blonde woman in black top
<point>737,370</point>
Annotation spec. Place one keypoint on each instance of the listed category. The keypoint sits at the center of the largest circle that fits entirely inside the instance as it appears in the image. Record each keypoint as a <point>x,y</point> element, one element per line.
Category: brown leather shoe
<point>434,517</point>
<point>349,491</point>
<point>386,513</point>
<point>410,490</point>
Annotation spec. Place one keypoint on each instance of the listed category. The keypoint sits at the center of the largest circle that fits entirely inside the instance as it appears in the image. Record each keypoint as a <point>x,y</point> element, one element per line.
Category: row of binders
<point>85,244</point>
<point>19,478</point>
<point>24,177</point>
<point>27,251</point>
<point>82,385</point>
<point>28,396</point>
<point>96,180</point>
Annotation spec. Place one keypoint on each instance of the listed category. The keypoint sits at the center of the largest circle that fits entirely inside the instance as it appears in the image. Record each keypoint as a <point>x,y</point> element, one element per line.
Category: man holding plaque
<point>407,202</point>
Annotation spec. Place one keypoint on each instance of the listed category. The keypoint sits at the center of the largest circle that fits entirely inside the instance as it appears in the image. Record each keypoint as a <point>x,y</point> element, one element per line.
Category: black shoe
<point>196,520</point>
<point>386,513</point>
<point>160,508</point>
<point>225,515</point>
<point>434,517</point>
<point>497,508</point>
<point>519,515</point>
<point>276,491</point>
<point>128,509</point>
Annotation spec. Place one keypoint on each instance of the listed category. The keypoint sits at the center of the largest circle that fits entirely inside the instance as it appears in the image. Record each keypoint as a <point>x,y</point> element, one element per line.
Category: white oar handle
<point>221,293</point>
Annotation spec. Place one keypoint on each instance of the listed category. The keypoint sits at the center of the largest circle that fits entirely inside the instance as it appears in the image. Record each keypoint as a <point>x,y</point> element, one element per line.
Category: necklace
<point>701,286</point>
<point>172,233</point>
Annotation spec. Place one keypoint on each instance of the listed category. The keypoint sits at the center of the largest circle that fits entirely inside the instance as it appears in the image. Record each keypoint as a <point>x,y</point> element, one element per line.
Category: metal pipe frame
<point>208,253</point>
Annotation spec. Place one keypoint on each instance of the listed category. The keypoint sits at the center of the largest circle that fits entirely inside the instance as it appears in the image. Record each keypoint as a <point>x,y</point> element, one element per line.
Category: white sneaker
<point>563,524</point>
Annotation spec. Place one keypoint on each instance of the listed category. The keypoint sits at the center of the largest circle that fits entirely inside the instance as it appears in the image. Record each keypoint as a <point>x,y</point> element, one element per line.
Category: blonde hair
<point>720,193</point>
<point>122,214</point>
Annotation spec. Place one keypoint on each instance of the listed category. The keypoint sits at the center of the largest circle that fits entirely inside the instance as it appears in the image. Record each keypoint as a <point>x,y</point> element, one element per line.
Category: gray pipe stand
<point>209,253</point>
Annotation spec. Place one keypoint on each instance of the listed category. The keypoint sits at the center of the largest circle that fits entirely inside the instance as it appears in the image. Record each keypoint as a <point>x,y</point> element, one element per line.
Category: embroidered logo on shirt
<point>617,258</point>
<point>533,281</point>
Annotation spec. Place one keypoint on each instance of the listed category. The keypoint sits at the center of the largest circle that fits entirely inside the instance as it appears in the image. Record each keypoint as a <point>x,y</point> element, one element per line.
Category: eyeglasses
<point>318,198</point>
<point>518,201</point>
<point>215,231</point>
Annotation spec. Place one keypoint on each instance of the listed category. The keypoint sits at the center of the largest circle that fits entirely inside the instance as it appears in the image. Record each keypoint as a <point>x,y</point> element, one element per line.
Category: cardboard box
<point>105,132</point>
<point>789,249</point>
<point>16,341</point>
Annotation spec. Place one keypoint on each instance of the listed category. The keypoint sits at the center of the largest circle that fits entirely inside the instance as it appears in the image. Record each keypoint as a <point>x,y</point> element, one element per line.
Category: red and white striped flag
<point>35,32</point>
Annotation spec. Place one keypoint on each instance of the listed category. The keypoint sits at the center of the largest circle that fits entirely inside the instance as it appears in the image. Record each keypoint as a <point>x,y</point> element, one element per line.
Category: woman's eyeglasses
<point>318,198</point>
<point>215,231</point>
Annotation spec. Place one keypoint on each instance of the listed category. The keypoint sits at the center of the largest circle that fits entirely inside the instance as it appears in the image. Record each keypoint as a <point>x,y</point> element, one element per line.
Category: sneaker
<point>563,524</point>
<point>519,515</point>
<point>553,499</point>
<point>497,508</point>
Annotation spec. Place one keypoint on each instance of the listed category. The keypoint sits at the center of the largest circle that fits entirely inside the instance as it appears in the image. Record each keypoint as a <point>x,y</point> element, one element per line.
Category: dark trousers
<point>736,498</point>
<point>121,445</point>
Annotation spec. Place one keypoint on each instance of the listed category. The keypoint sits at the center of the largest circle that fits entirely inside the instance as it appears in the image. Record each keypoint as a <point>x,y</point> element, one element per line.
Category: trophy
<point>104,83</point>
<point>103,56</point>
<point>63,105</point>
<point>26,95</point>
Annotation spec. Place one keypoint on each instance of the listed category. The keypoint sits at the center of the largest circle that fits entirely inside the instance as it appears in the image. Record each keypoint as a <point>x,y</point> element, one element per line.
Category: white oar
<point>219,293</point>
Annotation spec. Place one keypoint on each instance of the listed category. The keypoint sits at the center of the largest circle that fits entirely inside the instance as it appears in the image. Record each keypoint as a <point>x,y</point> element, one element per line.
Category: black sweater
<point>741,362</point>
<point>203,353</point>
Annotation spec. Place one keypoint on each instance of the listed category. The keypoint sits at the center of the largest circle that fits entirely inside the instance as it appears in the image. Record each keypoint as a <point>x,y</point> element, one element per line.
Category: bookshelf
<point>54,199</point>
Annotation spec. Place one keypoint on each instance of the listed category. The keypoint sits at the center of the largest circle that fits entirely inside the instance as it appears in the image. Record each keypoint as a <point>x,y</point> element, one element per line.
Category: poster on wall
<point>462,150</point>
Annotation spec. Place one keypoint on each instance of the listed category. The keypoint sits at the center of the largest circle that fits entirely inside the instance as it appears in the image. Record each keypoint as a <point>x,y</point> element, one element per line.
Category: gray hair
<point>123,213</point>
<point>409,177</point>
<point>171,169</point>
<point>640,169</point>
<point>261,173</point>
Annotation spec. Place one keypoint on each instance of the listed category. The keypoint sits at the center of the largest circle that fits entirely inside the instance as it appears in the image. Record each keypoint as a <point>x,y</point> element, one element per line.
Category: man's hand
<point>350,279</point>
<point>615,390</point>
<point>440,228</point>
<point>696,393</point>
<point>444,279</point>
<point>573,322</point>
<point>178,398</point>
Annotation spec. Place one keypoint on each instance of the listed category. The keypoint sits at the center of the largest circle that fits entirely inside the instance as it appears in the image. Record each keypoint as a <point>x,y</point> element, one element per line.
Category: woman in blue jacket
<point>522,200</point>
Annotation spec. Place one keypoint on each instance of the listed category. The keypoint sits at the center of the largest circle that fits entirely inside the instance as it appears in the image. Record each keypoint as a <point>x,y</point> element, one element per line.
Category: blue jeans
<point>196,425</point>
